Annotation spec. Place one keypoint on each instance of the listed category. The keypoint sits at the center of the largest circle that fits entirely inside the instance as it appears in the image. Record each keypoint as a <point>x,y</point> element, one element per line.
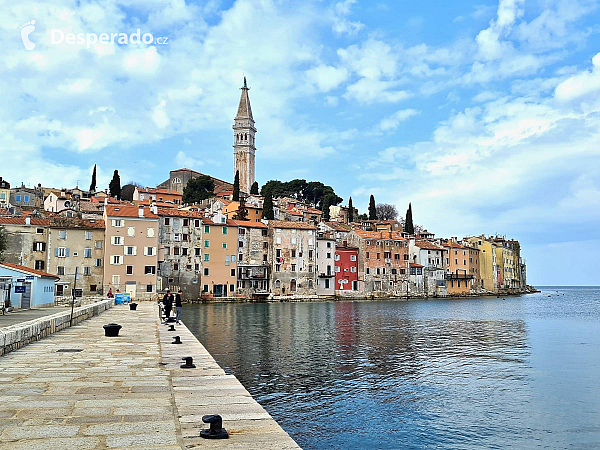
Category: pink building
<point>346,269</point>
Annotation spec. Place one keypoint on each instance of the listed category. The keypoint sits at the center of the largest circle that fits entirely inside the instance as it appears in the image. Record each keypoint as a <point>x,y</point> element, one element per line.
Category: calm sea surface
<point>453,374</point>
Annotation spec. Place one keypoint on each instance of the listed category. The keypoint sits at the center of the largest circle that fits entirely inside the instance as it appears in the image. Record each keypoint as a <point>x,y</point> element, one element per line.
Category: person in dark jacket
<point>168,304</point>
<point>178,305</point>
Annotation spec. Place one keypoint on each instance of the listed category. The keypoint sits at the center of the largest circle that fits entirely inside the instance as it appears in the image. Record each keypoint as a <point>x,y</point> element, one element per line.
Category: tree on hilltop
<point>198,189</point>
<point>268,212</point>
<point>372,209</point>
<point>350,211</point>
<point>115,186</point>
<point>385,211</point>
<point>408,221</point>
<point>93,183</point>
<point>254,188</point>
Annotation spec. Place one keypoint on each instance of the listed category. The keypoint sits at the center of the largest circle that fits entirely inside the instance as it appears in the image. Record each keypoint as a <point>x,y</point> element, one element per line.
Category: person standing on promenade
<point>168,303</point>
<point>178,306</point>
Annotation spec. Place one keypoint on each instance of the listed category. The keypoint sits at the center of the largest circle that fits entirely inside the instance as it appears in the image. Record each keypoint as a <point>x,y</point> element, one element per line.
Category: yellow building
<point>219,255</point>
<point>4,193</point>
<point>488,267</point>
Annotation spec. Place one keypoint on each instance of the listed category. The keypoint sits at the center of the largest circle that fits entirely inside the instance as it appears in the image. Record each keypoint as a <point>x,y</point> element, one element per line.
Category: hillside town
<point>221,240</point>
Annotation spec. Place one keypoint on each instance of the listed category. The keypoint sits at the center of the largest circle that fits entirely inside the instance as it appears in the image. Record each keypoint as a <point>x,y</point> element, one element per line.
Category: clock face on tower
<point>243,141</point>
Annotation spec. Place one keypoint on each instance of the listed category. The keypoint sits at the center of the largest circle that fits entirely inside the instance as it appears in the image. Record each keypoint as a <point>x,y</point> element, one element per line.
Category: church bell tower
<point>243,142</point>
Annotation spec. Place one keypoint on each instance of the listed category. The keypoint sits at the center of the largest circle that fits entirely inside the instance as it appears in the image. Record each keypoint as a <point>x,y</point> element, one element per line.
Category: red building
<point>346,268</point>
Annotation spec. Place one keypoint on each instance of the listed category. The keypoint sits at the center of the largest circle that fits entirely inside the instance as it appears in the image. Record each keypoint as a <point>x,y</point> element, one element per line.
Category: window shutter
<point>56,251</point>
<point>134,250</point>
<point>154,251</point>
<point>43,246</point>
<point>67,252</point>
<point>34,246</point>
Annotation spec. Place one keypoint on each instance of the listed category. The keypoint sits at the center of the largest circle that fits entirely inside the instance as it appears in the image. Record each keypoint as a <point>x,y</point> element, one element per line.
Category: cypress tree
<point>372,209</point>
<point>408,221</point>
<point>254,188</point>
<point>115,185</point>
<point>236,187</point>
<point>326,209</point>
<point>350,211</point>
<point>268,212</point>
<point>93,183</point>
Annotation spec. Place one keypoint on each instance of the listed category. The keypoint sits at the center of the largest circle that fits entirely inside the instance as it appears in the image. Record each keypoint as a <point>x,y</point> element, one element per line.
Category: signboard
<point>19,289</point>
<point>77,293</point>
<point>29,277</point>
<point>20,280</point>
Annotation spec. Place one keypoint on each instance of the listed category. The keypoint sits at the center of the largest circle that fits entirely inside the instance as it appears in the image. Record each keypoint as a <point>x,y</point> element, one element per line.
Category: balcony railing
<point>326,275</point>
<point>458,276</point>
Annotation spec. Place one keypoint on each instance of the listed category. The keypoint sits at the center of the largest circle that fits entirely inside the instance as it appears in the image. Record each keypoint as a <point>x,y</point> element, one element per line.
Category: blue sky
<point>485,115</point>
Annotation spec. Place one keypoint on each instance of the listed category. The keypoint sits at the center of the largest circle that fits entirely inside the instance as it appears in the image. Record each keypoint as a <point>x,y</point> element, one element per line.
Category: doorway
<point>130,289</point>
<point>26,297</point>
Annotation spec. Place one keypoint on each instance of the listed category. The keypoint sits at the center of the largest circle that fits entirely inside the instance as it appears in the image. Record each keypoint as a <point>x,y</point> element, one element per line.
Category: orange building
<point>157,195</point>
<point>460,270</point>
<point>219,258</point>
<point>254,213</point>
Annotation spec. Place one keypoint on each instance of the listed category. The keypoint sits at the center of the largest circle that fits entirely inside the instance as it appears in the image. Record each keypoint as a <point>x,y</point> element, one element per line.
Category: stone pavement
<point>23,315</point>
<point>125,392</point>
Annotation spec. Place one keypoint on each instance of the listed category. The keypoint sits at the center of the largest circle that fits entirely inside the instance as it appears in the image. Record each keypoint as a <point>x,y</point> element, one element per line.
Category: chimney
<point>105,201</point>
<point>154,209</point>
<point>141,212</point>
<point>27,220</point>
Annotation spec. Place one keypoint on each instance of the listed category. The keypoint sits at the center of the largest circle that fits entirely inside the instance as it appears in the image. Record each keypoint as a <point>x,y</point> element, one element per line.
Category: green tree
<point>198,189</point>
<point>236,187</point>
<point>3,242</point>
<point>128,190</point>
<point>93,183</point>
<point>254,188</point>
<point>350,211</point>
<point>115,185</point>
<point>242,212</point>
<point>325,209</point>
<point>362,216</point>
<point>268,212</point>
<point>408,221</point>
<point>372,209</point>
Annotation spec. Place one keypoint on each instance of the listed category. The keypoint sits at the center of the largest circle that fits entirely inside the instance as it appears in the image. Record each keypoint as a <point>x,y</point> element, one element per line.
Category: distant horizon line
<point>565,285</point>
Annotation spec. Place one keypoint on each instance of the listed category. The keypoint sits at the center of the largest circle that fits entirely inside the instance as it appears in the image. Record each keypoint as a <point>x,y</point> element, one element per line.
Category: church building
<point>243,153</point>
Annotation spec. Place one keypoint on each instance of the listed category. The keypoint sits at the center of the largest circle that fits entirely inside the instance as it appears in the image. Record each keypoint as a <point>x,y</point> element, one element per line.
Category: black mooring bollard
<point>216,430</point>
<point>177,340</point>
<point>188,363</point>
<point>171,328</point>
<point>112,329</point>
<point>133,306</point>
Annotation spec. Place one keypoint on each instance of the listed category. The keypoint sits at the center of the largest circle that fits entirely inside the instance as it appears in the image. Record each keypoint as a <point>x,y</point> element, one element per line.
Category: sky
<point>483,114</point>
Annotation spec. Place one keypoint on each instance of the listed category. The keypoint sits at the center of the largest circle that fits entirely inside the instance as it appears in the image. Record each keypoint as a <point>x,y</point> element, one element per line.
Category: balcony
<point>458,276</point>
<point>327,275</point>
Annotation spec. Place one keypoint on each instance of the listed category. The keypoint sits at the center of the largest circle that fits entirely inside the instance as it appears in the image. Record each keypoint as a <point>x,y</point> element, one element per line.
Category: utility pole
<point>73,300</point>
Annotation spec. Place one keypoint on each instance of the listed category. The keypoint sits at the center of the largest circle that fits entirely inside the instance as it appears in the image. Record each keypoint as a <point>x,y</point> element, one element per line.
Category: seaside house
<point>26,287</point>
<point>326,268</point>
<point>253,258</point>
<point>346,269</point>
<point>27,241</point>
<point>219,256</point>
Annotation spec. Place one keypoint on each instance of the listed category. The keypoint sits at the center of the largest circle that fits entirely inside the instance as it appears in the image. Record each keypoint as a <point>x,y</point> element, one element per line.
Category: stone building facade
<point>27,241</point>
<point>383,261</point>
<point>244,141</point>
<point>253,258</point>
<point>293,258</point>
<point>326,267</point>
<point>76,244</point>
<point>180,251</point>
<point>430,257</point>
<point>179,178</point>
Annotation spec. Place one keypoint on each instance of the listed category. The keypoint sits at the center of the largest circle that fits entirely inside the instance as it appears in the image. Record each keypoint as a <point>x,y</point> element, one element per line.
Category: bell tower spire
<point>243,141</point>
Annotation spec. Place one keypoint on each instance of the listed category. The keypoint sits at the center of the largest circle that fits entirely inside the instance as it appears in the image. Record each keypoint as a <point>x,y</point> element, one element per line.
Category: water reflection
<point>422,374</point>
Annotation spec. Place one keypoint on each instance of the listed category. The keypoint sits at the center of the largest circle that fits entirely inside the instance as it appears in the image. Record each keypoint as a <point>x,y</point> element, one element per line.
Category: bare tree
<point>385,211</point>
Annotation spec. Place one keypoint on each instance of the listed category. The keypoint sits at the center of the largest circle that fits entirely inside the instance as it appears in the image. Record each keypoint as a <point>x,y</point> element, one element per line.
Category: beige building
<point>26,239</point>
<point>76,244</point>
<point>4,193</point>
<point>131,249</point>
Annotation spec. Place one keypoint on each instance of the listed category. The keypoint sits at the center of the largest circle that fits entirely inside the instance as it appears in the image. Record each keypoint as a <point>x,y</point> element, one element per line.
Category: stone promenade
<point>125,392</point>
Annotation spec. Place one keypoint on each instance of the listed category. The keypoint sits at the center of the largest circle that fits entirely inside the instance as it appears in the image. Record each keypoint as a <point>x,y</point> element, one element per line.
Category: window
<point>328,255</point>
<point>337,257</point>
<point>149,270</point>
<point>406,257</point>
<point>277,267</point>
<point>61,252</point>
<point>240,257</point>
<point>93,287</point>
<point>131,251</point>
<point>26,198</point>
<point>206,229</point>
<point>167,221</point>
<point>175,251</point>
<point>60,270</point>
<point>206,244</point>
<point>150,232</point>
<point>129,270</point>
<point>116,259</point>
<point>39,246</point>
<point>175,267</point>
<point>116,279</point>
<point>206,257</point>
<point>233,272</point>
<point>206,271</point>
<point>242,231</point>
<point>397,256</point>
<point>18,198</point>
<point>293,267</point>
<point>197,223</point>
<point>337,268</point>
<point>62,234</point>
<point>353,269</point>
<point>39,231</point>
<point>196,266</point>
<point>130,231</point>
<point>278,240</point>
<point>87,252</point>
<point>87,271</point>
<point>224,230</point>
<point>117,223</point>
<point>205,288</point>
<point>226,260</point>
<point>186,237</point>
<point>98,244</point>
<point>150,251</point>
<point>117,240</point>
<point>197,251</point>
<point>177,237</point>
<point>310,268</point>
<point>378,255</point>
<point>293,253</point>
<point>224,245</point>
<point>186,222</point>
<point>148,288</point>
<point>367,255</point>
<point>367,271</point>
<point>98,262</point>
<point>39,265</point>
<point>88,235</point>
<point>264,232</point>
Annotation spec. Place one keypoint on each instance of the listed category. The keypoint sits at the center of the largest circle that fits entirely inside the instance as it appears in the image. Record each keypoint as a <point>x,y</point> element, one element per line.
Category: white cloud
<point>183,160</point>
<point>584,83</point>
<point>327,77</point>
<point>341,24</point>
<point>392,122</point>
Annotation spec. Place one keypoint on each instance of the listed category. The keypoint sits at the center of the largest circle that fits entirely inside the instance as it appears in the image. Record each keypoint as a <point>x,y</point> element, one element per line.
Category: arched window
<point>293,285</point>
<point>310,284</point>
<point>277,284</point>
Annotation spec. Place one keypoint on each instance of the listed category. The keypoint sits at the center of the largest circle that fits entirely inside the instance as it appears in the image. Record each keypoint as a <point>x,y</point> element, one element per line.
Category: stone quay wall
<point>19,335</point>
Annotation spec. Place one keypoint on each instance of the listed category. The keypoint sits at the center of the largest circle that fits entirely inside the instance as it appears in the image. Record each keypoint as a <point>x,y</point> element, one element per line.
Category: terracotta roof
<point>291,225</point>
<point>128,211</point>
<point>159,191</point>
<point>28,270</point>
<point>454,245</point>
<point>415,265</point>
<point>380,235</point>
<point>21,221</point>
<point>179,213</point>
<point>5,212</point>
<point>148,202</point>
<point>338,226</point>
<point>427,245</point>
<point>314,211</point>
<point>249,224</point>
<point>73,222</point>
